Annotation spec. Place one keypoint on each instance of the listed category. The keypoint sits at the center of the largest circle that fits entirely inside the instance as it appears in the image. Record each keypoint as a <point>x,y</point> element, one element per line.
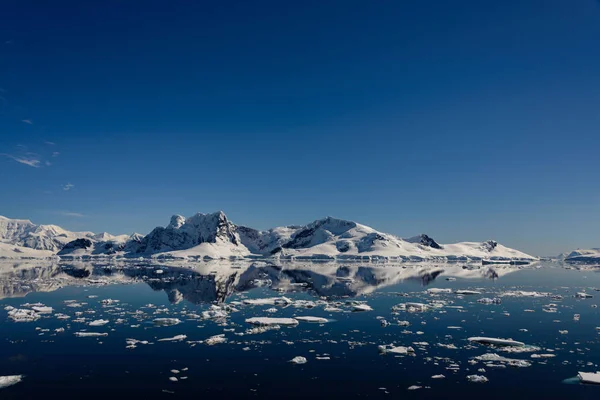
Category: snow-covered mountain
<point>214,236</point>
<point>20,238</point>
<point>587,256</point>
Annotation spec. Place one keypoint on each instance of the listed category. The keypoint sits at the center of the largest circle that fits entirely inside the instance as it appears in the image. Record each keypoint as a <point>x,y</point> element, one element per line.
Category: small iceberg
<point>316,320</point>
<point>264,321</point>
<point>298,360</point>
<point>9,380</point>
<point>589,377</point>
<point>495,341</point>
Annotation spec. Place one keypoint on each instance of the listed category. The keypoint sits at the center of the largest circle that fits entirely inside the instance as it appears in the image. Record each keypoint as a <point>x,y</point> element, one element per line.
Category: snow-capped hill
<point>186,233</point>
<point>24,233</point>
<point>424,240</point>
<point>584,256</point>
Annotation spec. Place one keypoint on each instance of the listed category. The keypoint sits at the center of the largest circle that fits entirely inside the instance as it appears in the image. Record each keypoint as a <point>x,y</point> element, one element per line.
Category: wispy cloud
<point>68,187</point>
<point>27,121</point>
<point>49,143</point>
<point>70,214</point>
<point>55,154</point>
<point>30,160</point>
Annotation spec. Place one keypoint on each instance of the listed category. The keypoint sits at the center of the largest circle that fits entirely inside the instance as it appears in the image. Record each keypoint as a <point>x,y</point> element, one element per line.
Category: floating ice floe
<point>522,293</point>
<point>216,339</point>
<point>9,380</point>
<point>263,321</point>
<point>411,307</point>
<point>317,320</point>
<point>440,376</point>
<point>583,295</point>
<point>589,377</point>
<point>132,343</point>
<point>42,309</point>
<point>90,334</point>
<point>166,321</point>
<point>492,357</point>
<point>298,360</point>
<point>99,322</point>
<point>487,300</point>
<point>477,378</point>
<point>415,387</point>
<point>467,292</point>
<point>271,301</point>
<point>438,290</point>
<point>361,307</point>
<point>23,315</point>
<point>399,350</point>
<point>176,338</point>
<point>547,355</point>
<point>495,341</point>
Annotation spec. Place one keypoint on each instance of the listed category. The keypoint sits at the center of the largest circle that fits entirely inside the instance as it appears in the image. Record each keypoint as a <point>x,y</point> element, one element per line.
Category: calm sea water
<point>343,360</point>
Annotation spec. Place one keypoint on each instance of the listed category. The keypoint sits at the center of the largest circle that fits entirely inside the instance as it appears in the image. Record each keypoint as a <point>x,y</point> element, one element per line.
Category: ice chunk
<point>440,376</point>
<point>467,292</point>
<point>263,321</point>
<point>492,357</point>
<point>583,295</point>
<point>495,341</point>
<point>400,350</point>
<point>271,301</point>
<point>216,339</point>
<point>361,307</point>
<point>298,360</point>
<point>438,290</point>
<point>42,309</point>
<point>477,378</point>
<point>99,322</point>
<point>318,320</point>
<point>166,321</point>
<point>23,315</point>
<point>589,377</point>
<point>176,338</point>
<point>9,380</point>
<point>90,334</point>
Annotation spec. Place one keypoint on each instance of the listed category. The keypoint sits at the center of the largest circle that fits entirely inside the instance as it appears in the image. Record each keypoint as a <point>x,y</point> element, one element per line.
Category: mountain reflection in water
<point>214,282</point>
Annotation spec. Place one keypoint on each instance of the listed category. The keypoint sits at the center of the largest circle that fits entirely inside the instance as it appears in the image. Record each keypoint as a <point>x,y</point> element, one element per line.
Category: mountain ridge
<point>214,236</point>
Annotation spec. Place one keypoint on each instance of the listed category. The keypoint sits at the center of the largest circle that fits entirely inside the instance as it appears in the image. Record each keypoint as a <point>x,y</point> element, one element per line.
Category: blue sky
<point>466,120</point>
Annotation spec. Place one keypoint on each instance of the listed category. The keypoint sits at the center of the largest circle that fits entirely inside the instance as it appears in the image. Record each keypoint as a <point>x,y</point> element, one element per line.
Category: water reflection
<point>216,281</point>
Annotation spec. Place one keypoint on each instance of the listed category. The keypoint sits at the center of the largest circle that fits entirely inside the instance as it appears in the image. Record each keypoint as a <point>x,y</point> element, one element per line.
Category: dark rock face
<point>489,245</point>
<point>78,244</point>
<point>429,242</point>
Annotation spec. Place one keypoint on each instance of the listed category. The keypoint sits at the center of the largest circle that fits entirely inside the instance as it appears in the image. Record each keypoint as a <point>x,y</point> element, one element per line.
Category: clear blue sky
<point>466,120</point>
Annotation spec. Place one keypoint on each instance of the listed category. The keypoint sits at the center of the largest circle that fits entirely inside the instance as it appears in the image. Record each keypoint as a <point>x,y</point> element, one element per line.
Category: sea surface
<point>348,356</point>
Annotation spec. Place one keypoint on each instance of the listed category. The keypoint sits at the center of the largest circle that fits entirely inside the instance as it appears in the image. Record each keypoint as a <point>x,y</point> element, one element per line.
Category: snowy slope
<point>584,256</point>
<point>12,251</point>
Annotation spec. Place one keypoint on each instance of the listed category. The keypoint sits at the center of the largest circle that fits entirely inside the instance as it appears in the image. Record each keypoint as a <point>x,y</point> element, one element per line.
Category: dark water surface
<point>257,365</point>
